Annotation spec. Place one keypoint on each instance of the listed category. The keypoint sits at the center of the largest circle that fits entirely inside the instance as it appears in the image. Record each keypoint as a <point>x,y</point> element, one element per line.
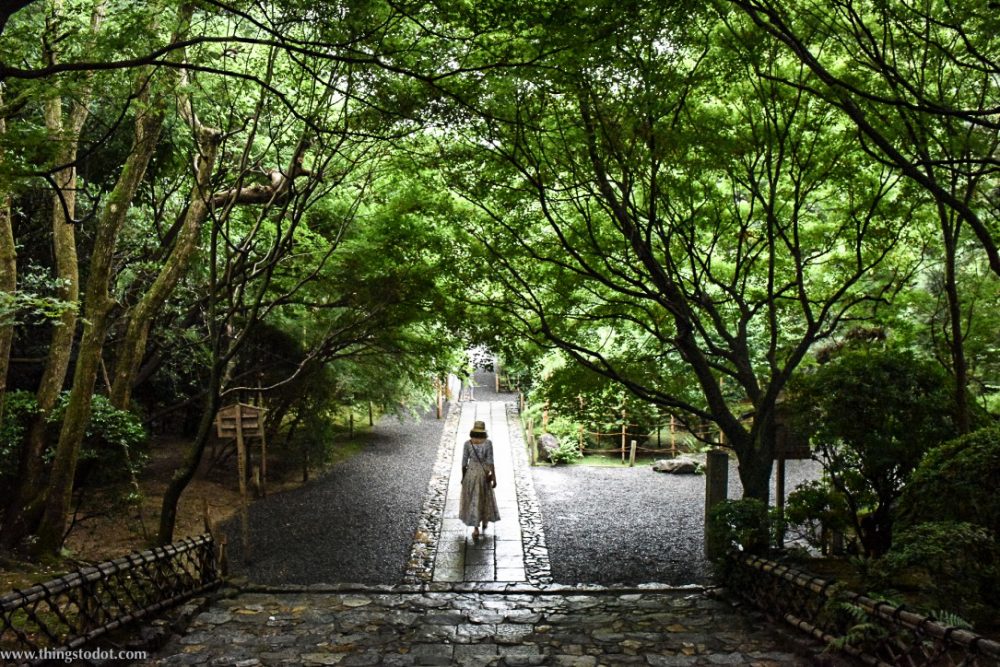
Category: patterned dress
<point>478,502</point>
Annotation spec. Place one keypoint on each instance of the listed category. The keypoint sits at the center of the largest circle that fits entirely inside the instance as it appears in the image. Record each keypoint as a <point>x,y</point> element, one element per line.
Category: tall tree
<point>8,272</point>
<point>673,218</point>
<point>918,82</point>
<point>64,121</point>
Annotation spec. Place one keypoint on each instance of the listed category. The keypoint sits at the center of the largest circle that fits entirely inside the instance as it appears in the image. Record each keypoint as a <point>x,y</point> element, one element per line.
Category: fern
<point>951,618</point>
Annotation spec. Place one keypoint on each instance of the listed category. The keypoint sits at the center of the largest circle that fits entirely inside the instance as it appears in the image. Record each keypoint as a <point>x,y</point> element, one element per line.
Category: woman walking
<point>478,503</point>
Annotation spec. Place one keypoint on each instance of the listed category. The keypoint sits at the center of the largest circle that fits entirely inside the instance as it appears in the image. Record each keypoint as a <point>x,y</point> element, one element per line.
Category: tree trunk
<point>956,338</point>
<point>133,345</point>
<point>97,309</point>
<point>755,453</point>
<point>183,475</point>
<point>8,278</point>
<point>19,520</point>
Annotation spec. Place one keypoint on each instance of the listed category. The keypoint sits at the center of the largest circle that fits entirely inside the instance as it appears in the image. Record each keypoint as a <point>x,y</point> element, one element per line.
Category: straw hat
<point>478,430</point>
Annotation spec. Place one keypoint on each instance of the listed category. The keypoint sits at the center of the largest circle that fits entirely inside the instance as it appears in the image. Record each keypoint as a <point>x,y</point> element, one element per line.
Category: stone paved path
<point>499,554</point>
<point>479,625</point>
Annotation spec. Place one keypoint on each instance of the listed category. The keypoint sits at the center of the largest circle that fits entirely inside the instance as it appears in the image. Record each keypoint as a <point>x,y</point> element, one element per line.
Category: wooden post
<point>263,461</point>
<point>673,437</point>
<point>716,488</point>
<point>623,435</point>
<point>350,422</point>
<point>779,500</point>
<point>437,386</point>
<point>241,469</point>
<point>531,442</point>
<point>520,400</point>
<point>263,438</point>
<point>371,414</point>
<point>631,456</point>
<point>496,377</point>
<point>204,517</point>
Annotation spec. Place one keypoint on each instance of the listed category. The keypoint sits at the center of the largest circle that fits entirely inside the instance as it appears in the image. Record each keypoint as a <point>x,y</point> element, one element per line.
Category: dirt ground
<point>106,529</point>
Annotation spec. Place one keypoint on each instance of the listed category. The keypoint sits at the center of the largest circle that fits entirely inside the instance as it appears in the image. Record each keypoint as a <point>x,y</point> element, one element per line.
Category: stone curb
<point>420,565</point>
<point>237,587</point>
<point>537,568</point>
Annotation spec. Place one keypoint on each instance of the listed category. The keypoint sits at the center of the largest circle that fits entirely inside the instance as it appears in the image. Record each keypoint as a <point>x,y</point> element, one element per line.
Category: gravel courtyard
<point>353,524</point>
<point>631,525</point>
<point>603,525</point>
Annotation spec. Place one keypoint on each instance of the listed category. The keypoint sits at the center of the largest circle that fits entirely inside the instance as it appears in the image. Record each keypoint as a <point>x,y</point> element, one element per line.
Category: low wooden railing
<point>883,634</point>
<point>72,611</point>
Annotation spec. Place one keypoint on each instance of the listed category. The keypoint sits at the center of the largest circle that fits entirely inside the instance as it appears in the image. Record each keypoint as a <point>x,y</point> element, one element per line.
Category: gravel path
<point>355,523</point>
<point>631,525</point>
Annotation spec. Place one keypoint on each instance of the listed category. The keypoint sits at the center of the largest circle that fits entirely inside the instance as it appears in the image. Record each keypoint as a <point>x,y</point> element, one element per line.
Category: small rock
<point>679,466</point>
<point>547,444</point>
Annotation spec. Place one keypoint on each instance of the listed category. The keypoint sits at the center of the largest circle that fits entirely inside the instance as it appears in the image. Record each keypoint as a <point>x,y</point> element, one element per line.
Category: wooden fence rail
<point>893,635</point>
<point>75,609</point>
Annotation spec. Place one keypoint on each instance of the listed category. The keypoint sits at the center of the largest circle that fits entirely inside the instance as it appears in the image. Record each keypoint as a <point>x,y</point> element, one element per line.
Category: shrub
<point>19,408</point>
<point>873,414</point>
<point>957,481</point>
<point>112,449</point>
<point>954,566</point>
<point>567,452</point>
<point>817,509</point>
<point>738,525</point>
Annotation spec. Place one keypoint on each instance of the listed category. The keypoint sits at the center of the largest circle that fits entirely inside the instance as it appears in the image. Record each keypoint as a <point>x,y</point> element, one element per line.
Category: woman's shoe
<point>475,534</point>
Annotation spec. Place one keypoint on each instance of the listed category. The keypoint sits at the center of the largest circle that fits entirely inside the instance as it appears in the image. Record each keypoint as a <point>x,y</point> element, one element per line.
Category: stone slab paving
<point>499,554</point>
<point>480,624</point>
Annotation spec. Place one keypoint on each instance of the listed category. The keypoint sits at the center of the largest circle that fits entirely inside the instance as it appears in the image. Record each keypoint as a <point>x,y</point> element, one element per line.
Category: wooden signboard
<point>241,421</point>
<point>789,444</point>
<point>248,418</point>
<point>789,441</point>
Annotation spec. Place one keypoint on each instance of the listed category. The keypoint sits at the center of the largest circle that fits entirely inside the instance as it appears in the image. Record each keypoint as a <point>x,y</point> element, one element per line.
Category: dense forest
<point>687,207</point>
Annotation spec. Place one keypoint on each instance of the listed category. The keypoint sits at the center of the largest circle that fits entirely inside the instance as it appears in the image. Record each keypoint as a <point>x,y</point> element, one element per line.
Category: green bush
<point>112,447</point>
<point>567,452</point>
<point>19,408</point>
<point>957,481</point>
<point>816,509</point>
<point>564,429</point>
<point>872,415</point>
<point>739,525</point>
<point>953,566</point>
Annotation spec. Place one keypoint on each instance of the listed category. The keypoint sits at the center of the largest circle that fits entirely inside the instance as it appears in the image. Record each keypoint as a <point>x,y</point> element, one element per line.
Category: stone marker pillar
<point>716,486</point>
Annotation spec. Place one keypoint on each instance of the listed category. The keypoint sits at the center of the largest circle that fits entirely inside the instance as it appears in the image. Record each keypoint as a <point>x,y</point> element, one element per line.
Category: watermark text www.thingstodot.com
<point>68,656</point>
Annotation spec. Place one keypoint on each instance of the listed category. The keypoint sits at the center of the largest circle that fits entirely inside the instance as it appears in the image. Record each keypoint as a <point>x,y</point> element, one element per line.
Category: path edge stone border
<point>496,587</point>
<point>537,569</point>
<point>420,564</point>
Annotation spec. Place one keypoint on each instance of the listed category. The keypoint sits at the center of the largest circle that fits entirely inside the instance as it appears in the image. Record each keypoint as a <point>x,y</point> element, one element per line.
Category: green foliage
<point>34,301</point>
<point>113,445</point>
<point>566,452</point>
<point>739,525</point>
<point>873,413</point>
<point>112,450</point>
<point>564,428</point>
<point>957,481</point>
<point>861,630</point>
<point>816,508</point>
<point>19,408</point>
<point>949,565</point>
